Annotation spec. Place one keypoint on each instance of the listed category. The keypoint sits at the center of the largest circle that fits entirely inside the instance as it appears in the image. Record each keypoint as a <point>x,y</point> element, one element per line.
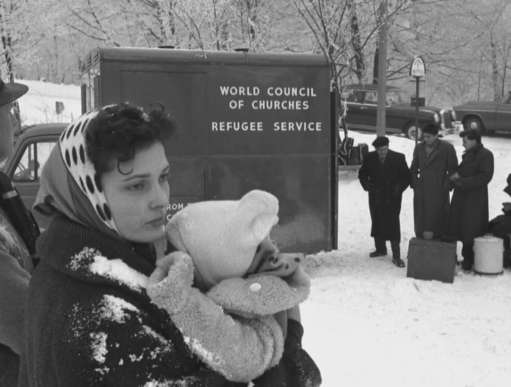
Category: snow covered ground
<point>38,105</point>
<point>366,324</point>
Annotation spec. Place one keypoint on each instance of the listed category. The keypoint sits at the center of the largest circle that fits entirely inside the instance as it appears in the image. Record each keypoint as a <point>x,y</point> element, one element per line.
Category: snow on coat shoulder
<point>91,260</point>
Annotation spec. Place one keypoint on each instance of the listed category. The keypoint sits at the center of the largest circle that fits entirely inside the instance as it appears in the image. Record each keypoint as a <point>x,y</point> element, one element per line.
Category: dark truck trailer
<point>245,121</point>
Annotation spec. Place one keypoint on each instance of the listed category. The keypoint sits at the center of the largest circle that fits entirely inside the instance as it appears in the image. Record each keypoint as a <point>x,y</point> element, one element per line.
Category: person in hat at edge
<point>468,217</point>
<point>434,160</point>
<point>15,261</point>
<point>500,226</point>
<point>384,175</point>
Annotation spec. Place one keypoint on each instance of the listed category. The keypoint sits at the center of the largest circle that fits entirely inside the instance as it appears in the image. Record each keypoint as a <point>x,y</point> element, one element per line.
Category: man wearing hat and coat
<point>384,175</point>
<point>468,217</point>
<point>434,160</point>
<point>15,261</point>
<point>500,226</point>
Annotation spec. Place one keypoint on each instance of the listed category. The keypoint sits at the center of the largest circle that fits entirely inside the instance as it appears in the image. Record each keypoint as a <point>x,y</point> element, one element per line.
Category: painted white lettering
<point>236,126</point>
<point>271,104</point>
<point>236,103</point>
<point>288,91</point>
<point>243,91</point>
<point>297,126</point>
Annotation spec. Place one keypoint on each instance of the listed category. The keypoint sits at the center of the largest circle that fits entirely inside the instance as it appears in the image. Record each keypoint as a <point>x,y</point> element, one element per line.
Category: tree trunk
<point>221,26</point>
<point>495,69</point>
<point>382,68</point>
<point>356,41</point>
<point>248,21</point>
<point>6,42</point>
<point>505,61</point>
<point>165,14</point>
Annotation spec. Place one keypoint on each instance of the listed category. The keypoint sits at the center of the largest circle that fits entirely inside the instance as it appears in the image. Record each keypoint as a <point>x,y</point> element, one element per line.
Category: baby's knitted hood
<point>222,236</point>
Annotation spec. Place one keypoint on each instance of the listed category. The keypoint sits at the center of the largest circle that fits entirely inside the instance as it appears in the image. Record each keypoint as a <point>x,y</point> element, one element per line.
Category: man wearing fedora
<point>384,175</point>
<point>15,261</point>
<point>468,217</point>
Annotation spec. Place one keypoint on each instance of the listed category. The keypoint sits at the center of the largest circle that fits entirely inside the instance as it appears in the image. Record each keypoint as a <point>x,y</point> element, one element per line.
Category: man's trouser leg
<point>381,249</point>
<point>396,253</point>
<point>396,250</point>
<point>379,244</point>
<point>467,252</point>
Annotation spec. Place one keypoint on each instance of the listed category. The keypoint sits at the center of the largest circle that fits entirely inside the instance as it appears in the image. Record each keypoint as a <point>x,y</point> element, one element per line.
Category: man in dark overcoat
<point>434,160</point>
<point>384,175</point>
<point>469,207</point>
<point>500,226</point>
<point>15,260</point>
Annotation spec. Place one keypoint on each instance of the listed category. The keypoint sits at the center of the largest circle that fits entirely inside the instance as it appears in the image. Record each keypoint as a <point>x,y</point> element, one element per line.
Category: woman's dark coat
<point>88,325</point>
<point>431,185</point>
<point>385,184</point>
<point>469,206</point>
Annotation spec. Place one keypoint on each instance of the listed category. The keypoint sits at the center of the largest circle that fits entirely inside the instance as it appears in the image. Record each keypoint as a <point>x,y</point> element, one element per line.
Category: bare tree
<point>12,31</point>
<point>356,41</point>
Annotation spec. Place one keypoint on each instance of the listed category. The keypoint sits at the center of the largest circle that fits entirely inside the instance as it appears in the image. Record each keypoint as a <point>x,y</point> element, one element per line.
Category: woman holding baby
<point>104,310</point>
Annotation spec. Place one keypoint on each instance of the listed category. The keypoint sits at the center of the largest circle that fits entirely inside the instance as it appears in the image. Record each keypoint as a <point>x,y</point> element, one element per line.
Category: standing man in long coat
<point>434,160</point>
<point>15,261</point>
<point>469,208</point>
<point>384,175</point>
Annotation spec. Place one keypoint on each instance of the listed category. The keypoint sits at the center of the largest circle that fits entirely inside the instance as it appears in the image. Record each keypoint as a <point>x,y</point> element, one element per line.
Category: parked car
<point>31,150</point>
<point>361,102</point>
<point>486,116</point>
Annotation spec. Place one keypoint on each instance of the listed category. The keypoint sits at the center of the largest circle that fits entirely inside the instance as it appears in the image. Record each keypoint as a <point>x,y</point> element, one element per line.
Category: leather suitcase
<point>431,260</point>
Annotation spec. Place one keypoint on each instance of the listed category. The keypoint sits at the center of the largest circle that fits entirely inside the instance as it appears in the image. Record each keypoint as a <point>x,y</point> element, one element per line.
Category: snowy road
<point>366,324</point>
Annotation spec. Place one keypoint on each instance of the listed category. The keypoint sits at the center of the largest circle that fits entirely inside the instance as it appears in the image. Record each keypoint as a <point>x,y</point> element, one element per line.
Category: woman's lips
<point>158,222</point>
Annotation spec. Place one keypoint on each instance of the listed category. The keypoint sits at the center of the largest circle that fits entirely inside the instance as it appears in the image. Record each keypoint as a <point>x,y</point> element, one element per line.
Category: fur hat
<point>222,236</point>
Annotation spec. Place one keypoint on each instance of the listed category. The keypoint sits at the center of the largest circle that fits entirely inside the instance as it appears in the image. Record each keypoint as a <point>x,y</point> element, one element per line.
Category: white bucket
<point>488,255</point>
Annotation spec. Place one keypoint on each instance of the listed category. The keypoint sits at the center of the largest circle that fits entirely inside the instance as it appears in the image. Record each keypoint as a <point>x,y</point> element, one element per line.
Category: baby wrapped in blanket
<point>225,251</point>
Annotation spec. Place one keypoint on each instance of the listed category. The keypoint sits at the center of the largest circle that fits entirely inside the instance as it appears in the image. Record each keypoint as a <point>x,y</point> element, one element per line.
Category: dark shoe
<point>466,266</point>
<point>377,253</point>
<point>398,262</point>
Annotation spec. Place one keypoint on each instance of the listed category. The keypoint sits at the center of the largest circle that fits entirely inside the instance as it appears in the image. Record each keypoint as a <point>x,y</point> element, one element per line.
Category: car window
<point>354,95</point>
<point>371,97</point>
<point>32,161</point>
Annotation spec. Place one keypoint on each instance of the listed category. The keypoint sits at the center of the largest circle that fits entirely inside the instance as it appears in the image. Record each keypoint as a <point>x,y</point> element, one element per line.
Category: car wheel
<point>411,132</point>
<point>473,123</point>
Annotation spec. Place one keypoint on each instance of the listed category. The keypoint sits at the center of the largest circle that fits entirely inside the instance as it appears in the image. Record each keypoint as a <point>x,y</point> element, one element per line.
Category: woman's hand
<point>170,284</point>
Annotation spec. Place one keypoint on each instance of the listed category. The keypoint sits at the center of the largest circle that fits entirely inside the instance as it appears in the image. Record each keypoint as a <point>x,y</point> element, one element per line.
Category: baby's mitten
<point>172,293</point>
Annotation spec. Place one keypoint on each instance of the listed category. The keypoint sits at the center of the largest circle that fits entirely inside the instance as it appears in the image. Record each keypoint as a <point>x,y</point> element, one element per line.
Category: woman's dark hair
<point>117,132</point>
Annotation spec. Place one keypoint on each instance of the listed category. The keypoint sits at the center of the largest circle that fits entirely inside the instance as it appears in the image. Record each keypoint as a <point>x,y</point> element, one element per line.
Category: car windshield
<point>393,96</point>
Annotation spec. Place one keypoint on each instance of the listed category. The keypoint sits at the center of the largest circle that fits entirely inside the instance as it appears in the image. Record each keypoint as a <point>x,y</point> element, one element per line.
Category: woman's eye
<point>136,187</point>
<point>164,177</point>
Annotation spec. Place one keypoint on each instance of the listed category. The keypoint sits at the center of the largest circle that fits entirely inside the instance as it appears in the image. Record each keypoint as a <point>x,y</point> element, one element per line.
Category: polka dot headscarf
<point>72,148</point>
<point>69,184</point>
